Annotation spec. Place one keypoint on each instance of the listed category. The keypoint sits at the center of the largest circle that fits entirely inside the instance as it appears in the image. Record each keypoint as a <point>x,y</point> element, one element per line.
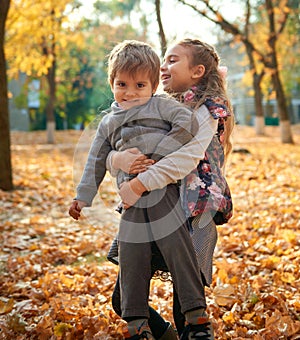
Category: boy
<point>157,127</point>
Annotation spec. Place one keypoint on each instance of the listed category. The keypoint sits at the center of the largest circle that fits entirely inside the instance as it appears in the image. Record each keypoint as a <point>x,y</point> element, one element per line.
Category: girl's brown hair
<point>133,56</point>
<point>212,83</point>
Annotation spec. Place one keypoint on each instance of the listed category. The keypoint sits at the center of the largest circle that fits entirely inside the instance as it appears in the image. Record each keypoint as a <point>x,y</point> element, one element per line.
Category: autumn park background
<point>55,281</point>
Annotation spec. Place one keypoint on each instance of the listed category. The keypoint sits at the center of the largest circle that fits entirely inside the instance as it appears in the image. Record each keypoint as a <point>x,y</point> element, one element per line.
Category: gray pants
<point>158,218</point>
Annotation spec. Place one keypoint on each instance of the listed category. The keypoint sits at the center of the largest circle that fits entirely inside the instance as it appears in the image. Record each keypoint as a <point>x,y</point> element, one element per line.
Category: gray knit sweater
<point>162,128</point>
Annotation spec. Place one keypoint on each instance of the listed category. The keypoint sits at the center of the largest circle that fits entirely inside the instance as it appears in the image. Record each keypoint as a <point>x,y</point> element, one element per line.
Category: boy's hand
<point>131,161</point>
<point>76,208</point>
<point>130,192</point>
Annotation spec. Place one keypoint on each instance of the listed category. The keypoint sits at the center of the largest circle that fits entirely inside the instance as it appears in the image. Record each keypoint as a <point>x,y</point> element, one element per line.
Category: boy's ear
<point>198,71</point>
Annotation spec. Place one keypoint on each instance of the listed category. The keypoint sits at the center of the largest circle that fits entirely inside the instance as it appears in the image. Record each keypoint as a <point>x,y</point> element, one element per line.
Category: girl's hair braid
<point>212,83</point>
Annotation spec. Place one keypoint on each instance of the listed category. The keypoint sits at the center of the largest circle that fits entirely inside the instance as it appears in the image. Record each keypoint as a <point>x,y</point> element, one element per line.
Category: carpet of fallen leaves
<point>55,282</point>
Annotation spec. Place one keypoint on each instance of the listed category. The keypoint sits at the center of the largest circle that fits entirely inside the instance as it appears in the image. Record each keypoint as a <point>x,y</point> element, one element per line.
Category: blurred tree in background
<point>65,51</point>
<point>37,32</point>
<point>259,30</point>
<point>5,156</point>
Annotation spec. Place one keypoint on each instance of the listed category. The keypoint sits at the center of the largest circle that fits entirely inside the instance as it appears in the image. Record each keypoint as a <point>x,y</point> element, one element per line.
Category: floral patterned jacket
<point>205,188</point>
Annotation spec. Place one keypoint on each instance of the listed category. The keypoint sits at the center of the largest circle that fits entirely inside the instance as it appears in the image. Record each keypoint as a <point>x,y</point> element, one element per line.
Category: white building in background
<point>18,108</point>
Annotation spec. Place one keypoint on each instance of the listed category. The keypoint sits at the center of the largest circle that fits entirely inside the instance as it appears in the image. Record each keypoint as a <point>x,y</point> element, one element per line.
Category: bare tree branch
<point>162,36</point>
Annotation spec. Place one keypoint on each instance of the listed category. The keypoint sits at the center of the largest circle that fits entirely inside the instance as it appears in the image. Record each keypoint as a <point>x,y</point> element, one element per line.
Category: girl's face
<point>176,74</point>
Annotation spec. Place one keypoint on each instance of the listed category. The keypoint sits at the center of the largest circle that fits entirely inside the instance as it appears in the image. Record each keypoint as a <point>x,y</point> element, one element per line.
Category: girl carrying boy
<point>164,130</point>
<point>205,194</point>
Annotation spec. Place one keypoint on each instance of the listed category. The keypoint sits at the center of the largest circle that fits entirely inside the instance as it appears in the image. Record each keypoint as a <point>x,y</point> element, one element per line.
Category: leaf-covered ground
<point>55,282</point>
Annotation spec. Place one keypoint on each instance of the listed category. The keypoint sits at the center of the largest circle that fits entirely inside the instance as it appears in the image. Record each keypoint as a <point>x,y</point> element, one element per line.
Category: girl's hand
<point>75,208</point>
<point>131,161</point>
<point>130,192</point>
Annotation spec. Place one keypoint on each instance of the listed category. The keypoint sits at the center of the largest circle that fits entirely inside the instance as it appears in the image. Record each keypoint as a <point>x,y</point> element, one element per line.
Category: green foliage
<point>20,101</point>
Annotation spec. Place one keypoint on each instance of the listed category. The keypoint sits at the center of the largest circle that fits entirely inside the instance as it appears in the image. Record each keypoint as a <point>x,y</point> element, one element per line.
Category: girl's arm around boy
<point>175,165</point>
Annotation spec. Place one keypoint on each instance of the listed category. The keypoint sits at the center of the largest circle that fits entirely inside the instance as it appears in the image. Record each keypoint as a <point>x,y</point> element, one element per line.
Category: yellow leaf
<point>233,280</point>
<point>61,328</point>
<point>228,317</point>
<point>222,274</point>
<point>287,277</point>
<point>6,306</point>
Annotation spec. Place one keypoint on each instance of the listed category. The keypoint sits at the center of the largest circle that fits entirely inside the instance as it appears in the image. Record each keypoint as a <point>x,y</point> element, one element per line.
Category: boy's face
<point>131,90</point>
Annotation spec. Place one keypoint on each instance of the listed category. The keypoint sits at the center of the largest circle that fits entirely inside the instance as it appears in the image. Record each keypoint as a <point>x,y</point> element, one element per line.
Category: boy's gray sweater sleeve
<point>181,162</point>
<point>95,167</point>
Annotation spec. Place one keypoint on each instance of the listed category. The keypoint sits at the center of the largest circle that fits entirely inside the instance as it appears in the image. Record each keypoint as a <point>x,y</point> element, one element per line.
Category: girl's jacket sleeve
<point>181,162</point>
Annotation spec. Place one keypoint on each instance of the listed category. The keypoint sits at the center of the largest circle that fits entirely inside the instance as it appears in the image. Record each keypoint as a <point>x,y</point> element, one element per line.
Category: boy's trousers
<point>158,217</point>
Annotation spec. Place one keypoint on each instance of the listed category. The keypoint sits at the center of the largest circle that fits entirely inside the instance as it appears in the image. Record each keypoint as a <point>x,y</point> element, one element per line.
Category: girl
<point>191,73</point>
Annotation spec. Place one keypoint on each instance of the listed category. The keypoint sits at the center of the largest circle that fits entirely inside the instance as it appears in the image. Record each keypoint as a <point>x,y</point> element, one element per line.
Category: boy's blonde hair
<point>133,56</point>
<point>212,83</point>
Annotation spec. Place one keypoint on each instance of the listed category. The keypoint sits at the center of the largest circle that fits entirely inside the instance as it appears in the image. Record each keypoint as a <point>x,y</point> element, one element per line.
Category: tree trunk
<point>50,105</point>
<point>49,49</point>
<point>285,125</point>
<point>259,112</point>
<point>256,77</point>
<point>271,62</point>
<point>50,132</point>
<point>6,182</point>
<point>258,96</point>
<point>286,132</point>
<point>162,36</point>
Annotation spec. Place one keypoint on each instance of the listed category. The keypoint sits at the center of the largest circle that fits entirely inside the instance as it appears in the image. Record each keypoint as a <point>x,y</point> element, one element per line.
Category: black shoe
<point>202,331</point>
